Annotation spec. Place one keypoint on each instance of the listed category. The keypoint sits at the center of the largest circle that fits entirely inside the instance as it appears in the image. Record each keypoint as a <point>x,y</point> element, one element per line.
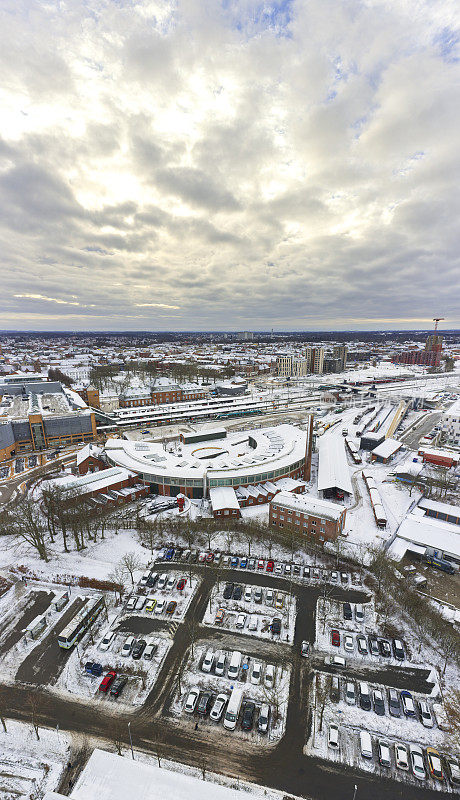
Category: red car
<point>107,681</point>
<point>270,566</point>
<point>181,584</point>
<point>210,558</point>
<point>260,563</point>
<point>335,638</point>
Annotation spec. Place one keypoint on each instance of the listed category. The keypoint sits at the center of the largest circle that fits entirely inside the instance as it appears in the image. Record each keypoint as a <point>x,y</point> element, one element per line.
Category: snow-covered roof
<point>95,481</point>
<point>108,776</point>
<point>308,504</point>
<point>440,508</point>
<point>409,467</point>
<point>438,453</point>
<point>333,468</point>
<point>431,532</point>
<point>387,448</point>
<point>223,497</point>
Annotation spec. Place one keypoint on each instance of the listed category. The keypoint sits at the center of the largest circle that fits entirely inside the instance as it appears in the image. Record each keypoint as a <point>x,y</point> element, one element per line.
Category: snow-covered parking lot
<point>251,610</point>
<point>154,601</point>
<point>263,682</point>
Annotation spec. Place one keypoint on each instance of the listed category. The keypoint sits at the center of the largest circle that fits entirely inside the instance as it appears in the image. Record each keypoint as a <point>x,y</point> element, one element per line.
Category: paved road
<point>413,437</point>
<point>37,603</point>
<point>283,766</point>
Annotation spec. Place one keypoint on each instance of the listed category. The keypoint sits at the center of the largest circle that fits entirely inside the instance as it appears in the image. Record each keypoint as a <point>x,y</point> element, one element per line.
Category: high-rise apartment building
<point>291,367</point>
<point>315,359</point>
<point>433,343</point>
<point>340,352</point>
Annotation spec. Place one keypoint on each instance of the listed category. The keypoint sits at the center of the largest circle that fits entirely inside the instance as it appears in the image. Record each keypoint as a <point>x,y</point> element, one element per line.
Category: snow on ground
<point>351,719</point>
<point>261,614</point>
<point>29,767</point>
<point>276,696</point>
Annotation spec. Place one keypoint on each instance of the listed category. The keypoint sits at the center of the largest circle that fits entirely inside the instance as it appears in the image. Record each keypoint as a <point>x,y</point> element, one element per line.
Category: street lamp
<point>130,739</point>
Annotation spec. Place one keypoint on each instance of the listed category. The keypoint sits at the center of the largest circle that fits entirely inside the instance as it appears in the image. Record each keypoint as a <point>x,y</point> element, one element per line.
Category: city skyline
<point>202,166</point>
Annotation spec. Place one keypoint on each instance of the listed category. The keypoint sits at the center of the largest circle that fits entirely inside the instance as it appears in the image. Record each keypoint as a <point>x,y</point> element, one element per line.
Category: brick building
<point>308,515</point>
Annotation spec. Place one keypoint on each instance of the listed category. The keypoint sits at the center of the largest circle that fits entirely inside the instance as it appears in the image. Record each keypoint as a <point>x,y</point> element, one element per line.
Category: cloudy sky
<point>229,165</point>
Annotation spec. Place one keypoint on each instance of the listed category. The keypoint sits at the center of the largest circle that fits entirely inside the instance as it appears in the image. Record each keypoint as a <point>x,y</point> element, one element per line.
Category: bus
<point>80,623</point>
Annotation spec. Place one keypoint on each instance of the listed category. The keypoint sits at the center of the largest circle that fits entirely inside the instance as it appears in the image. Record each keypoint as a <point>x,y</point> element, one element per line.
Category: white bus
<point>233,708</point>
<point>82,620</point>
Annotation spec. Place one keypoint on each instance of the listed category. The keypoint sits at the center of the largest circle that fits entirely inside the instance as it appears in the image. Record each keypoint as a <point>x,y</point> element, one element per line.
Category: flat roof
<point>431,532</point>
<point>333,470</point>
<point>387,448</point>
<point>442,508</point>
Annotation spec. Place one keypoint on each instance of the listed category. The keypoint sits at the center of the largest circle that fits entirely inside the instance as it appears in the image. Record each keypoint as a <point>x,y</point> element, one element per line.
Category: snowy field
<point>30,767</point>
<point>276,696</point>
<point>258,617</point>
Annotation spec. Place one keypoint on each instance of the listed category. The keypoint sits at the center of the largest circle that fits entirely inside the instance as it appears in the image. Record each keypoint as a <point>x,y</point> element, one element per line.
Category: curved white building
<point>243,458</point>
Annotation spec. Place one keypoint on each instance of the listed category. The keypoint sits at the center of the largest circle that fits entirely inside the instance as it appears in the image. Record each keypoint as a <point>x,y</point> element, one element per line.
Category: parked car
<point>94,668</point>
<point>237,592</point>
<point>220,614</point>
<point>194,557</point>
<point>234,562</point>
<point>384,754</point>
<point>385,649</point>
<point>260,563</point>
<point>362,644</point>
<point>379,703</point>
<point>287,569</point>
<point>107,681</point>
<point>243,563</point>
<point>202,558</point>
<point>171,583</point>
<point>425,714</point>
<point>344,575</point>
<point>269,597</point>
<point>279,600</point>
<point>128,646</point>
<point>204,704</point>
<point>160,606</point>
<point>434,764</point>
<point>417,762</point>
<point>240,621</point>
<point>264,718</point>
<point>228,591</point>
<point>258,594</point>
<point>138,649</point>
<point>217,558</point>
<point>107,640</point>
<point>220,662</point>
<point>348,642</point>
<point>453,769</point>
<point>278,568</point>
<point>364,696</point>
<point>248,594</point>
<point>276,626</point>
<point>334,577</point>
<point>394,706</point>
<point>209,558</point>
<point>208,661</point>
<point>347,612</point>
<point>153,577</point>
<point>408,705</point>
<point>350,693</point>
<point>359,612</point>
<point>150,650</point>
<point>181,584</point>
<point>333,736</point>
<point>218,707</point>
<point>171,607</point>
<point>162,581</point>
<point>151,603</point>
<point>270,565</point>
<point>118,685</point>
<point>373,645</point>
<point>306,572</point>
<point>334,690</point>
<point>247,720</point>
<point>398,649</point>
<point>296,569</point>
<point>401,756</point>
<point>131,604</point>
<point>251,563</point>
<point>270,676</point>
<point>336,661</point>
<point>191,701</point>
<point>335,637</point>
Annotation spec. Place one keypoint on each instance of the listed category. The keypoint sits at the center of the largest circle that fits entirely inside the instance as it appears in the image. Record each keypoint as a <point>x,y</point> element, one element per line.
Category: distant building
<point>450,423</point>
<point>160,395</point>
<point>340,352</point>
<point>315,359</point>
<point>291,367</point>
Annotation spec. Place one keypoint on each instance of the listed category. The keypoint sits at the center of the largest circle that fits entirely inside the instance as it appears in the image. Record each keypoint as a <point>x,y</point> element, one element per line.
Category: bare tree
<point>452,709</point>
<point>129,564</point>
<point>34,704</point>
<point>321,695</point>
<point>25,521</point>
<point>116,734</point>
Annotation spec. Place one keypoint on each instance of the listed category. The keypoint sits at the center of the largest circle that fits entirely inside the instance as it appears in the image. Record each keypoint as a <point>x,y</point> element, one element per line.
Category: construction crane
<point>436,320</point>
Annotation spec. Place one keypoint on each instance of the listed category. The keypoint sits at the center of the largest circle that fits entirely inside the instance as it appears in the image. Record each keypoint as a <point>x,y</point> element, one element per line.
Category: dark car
<point>243,563</point>
<point>276,626</point>
<point>93,668</point>
<point>181,584</point>
<point>373,645</point>
<point>251,563</point>
<point>347,612</point>
<point>152,579</point>
<point>169,554</point>
<point>107,681</point>
<point>204,704</point>
<point>118,685</point>
<point>237,592</point>
<point>248,716</point>
<point>228,591</point>
<point>171,607</point>
<point>138,648</point>
<point>394,706</point>
<point>296,569</point>
<point>194,557</point>
<point>379,703</point>
<point>364,697</point>
<point>398,649</point>
<point>178,553</point>
<point>209,558</point>
<point>385,648</point>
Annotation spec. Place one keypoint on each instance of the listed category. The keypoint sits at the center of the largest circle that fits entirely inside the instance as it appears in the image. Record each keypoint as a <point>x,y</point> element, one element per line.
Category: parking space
<point>213,679</point>
<point>162,594</point>
<point>258,611</point>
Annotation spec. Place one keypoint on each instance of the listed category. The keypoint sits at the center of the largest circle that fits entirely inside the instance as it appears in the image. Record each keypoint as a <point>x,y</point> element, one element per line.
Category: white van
<point>144,579</point>
<point>333,738</point>
<point>219,669</point>
<point>359,612</point>
<point>365,743</point>
<point>234,666</point>
<point>234,706</point>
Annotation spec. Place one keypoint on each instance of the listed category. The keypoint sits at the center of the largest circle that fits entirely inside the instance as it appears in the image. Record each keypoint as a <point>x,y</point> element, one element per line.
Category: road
<point>282,766</point>
<point>413,437</point>
<point>37,603</point>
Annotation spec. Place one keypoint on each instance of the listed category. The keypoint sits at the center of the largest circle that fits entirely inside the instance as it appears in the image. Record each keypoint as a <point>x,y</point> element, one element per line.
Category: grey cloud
<point>196,188</point>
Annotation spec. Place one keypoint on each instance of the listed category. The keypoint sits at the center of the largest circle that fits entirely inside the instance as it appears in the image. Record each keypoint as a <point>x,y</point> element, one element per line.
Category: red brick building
<point>307,515</point>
